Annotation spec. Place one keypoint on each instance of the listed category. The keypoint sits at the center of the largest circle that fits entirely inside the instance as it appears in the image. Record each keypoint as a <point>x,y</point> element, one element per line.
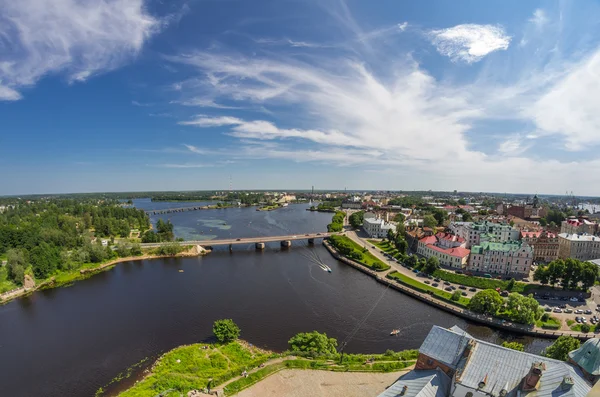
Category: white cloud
<point>539,18</point>
<point>78,37</point>
<point>402,26</point>
<point>469,42</point>
<point>570,107</point>
<point>203,121</point>
<point>186,165</point>
<point>8,94</point>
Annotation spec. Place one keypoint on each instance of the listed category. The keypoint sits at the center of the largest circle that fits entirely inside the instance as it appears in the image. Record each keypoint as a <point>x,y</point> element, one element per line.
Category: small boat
<point>394,332</point>
<point>180,271</point>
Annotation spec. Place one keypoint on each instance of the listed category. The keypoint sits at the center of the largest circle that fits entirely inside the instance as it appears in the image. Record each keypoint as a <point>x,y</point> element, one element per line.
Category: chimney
<point>532,379</point>
<point>404,390</point>
<point>567,383</point>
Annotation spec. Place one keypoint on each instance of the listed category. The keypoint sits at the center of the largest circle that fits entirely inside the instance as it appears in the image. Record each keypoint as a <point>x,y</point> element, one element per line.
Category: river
<point>71,341</point>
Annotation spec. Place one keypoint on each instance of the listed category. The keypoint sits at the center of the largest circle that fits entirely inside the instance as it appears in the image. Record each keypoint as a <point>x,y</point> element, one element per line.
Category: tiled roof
<point>588,356</point>
<point>536,234</point>
<point>428,240</point>
<point>444,346</point>
<point>450,237</point>
<point>458,252</point>
<point>426,383</point>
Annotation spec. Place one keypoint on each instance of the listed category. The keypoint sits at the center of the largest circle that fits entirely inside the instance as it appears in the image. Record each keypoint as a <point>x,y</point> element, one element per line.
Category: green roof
<point>494,246</point>
<point>588,356</point>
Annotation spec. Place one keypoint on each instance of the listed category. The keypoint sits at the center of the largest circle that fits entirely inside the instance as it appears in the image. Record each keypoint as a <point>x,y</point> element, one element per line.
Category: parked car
<point>448,289</point>
<point>372,246</point>
<point>568,310</point>
<point>446,283</point>
<point>583,320</point>
<point>578,319</point>
<point>415,271</point>
<point>573,299</point>
<point>463,293</point>
<point>563,306</point>
<point>473,289</point>
<point>525,280</point>
<point>437,280</point>
<point>588,311</point>
<point>426,282</point>
<point>435,284</point>
<point>578,311</point>
<point>548,309</point>
<point>557,310</point>
<point>462,287</point>
<point>581,300</point>
<point>458,272</point>
<point>563,298</point>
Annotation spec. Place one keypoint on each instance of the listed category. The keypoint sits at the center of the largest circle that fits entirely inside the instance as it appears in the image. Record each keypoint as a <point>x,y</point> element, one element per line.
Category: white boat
<point>394,332</point>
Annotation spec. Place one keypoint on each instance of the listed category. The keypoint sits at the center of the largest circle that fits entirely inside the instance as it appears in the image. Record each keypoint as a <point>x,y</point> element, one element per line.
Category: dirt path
<point>315,383</point>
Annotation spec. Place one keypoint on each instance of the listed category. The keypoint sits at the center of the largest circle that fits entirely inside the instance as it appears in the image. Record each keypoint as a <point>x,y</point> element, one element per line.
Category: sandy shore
<point>313,383</point>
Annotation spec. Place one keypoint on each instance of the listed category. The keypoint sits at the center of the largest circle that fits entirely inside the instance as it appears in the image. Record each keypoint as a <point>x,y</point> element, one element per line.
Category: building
<point>587,357</point>
<point>544,244</point>
<point>578,226</point>
<point>377,228</point>
<point>477,232</point>
<point>449,249</point>
<point>452,363</point>
<point>578,246</point>
<point>506,258</point>
<point>356,205</point>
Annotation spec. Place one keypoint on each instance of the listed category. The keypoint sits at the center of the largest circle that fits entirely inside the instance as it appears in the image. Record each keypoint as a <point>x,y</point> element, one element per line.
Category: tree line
<point>337,222</point>
<point>568,273</point>
<point>516,307</point>
<point>49,235</point>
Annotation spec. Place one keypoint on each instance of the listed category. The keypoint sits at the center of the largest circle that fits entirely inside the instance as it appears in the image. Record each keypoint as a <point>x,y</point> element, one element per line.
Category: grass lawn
<point>570,322</point>
<point>190,367</point>
<point>368,259</point>
<point>577,327</point>
<point>386,247</point>
<point>479,282</point>
<point>551,323</point>
<point>437,292</point>
<point>5,284</point>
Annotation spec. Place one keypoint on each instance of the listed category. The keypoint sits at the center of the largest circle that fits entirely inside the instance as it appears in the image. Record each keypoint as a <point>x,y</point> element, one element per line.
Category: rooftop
<point>579,237</point>
<point>433,383</point>
<point>588,356</point>
<point>536,234</point>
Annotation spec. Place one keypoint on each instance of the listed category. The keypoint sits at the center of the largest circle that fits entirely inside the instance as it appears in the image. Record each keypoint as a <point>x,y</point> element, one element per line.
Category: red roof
<point>428,240</point>
<point>456,252</point>
<point>536,234</point>
<point>450,237</point>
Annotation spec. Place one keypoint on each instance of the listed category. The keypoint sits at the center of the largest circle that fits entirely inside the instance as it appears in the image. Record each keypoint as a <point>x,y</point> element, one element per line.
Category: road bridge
<point>258,241</point>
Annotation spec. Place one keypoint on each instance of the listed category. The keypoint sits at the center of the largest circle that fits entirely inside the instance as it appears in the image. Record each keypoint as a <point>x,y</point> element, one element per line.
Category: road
<point>247,240</point>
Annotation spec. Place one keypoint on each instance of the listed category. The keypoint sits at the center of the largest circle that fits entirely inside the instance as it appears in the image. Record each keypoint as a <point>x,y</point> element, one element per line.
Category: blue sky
<point>124,95</point>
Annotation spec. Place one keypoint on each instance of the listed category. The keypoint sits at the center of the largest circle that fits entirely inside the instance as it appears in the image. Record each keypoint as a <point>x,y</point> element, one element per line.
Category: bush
<point>226,330</point>
<point>313,342</point>
<point>585,328</point>
<point>545,317</point>
<point>456,296</point>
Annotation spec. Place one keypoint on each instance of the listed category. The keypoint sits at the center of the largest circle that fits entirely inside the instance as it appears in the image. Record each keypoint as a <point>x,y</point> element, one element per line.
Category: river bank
<point>67,278</point>
<point>382,277</point>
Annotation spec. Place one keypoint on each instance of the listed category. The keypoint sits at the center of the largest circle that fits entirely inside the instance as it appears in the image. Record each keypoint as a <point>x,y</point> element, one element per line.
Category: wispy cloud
<point>470,42</point>
<point>141,104</point>
<point>539,18</point>
<point>77,37</point>
<point>184,165</point>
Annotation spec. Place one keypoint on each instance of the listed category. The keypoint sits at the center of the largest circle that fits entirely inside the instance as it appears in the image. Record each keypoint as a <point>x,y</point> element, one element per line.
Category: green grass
<point>577,327</point>
<point>551,323</point>
<point>368,259</point>
<point>386,247</point>
<point>5,283</point>
<point>570,322</point>
<point>419,286</point>
<point>195,367</point>
<point>480,282</point>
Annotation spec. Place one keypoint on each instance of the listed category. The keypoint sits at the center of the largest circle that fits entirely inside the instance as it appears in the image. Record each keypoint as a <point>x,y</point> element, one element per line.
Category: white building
<point>478,232</point>
<point>578,226</point>
<point>377,228</point>
<point>578,246</point>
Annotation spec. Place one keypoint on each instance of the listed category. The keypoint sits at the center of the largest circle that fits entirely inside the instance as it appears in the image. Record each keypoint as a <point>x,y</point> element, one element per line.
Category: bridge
<point>182,209</point>
<point>260,242</point>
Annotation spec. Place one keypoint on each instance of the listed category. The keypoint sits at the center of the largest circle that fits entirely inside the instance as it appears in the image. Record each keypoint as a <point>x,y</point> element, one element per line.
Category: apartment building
<point>584,247</point>
<point>578,226</point>
<point>477,232</point>
<point>447,248</point>
<point>544,244</point>
<point>505,258</point>
<point>377,228</point>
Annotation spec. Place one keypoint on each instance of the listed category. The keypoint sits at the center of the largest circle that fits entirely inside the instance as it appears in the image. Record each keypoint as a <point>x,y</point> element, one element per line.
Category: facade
<point>352,205</point>
<point>506,258</point>
<point>582,247</point>
<point>377,228</point>
<point>452,363</point>
<point>544,244</point>
<point>477,232</point>
<point>578,226</point>
<point>447,248</point>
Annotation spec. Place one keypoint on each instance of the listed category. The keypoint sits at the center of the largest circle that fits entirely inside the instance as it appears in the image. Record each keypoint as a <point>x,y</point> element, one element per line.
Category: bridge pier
<point>230,247</point>
<point>311,241</point>
<point>260,246</point>
<point>286,243</point>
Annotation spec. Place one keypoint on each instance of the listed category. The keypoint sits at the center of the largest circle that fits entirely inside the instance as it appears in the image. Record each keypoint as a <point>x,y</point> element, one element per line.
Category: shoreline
<point>88,272</point>
<point>381,277</point>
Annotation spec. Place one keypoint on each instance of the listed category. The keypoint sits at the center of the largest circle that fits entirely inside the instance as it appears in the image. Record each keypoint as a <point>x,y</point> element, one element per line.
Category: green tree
<point>585,328</point>
<point>541,275</point>
<point>467,217</point>
<point>226,330</point>
<point>399,218</point>
<point>456,296</point>
<point>412,260</point>
<point>510,285</point>
<point>431,265</point>
<point>400,244</point>
<point>487,301</point>
<point>136,249</point>
<point>356,219</point>
<point>560,349</point>
<point>462,202</point>
<point>313,342</point>
<point>123,250</point>
<point>523,309</point>
<point>16,262</point>
<point>589,275</point>
<point>429,221</point>
<point>513,345</point>
<point>391,236</point>
<point>543,222</point>
<point>45,260</point>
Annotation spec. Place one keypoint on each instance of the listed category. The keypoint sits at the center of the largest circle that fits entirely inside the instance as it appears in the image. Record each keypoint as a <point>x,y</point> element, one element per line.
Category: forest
<point>46,236</point>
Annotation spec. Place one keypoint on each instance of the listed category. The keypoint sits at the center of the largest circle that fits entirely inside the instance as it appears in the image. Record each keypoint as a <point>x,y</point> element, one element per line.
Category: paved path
<point>267,363</point>
<point>315,383</point>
